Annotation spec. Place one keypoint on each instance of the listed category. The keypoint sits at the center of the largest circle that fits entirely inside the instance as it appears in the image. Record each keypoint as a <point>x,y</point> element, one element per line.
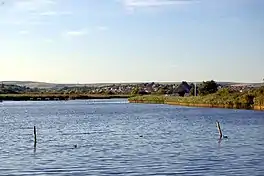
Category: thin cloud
<point>32,5</point>
<point>37,23</point>
<point>32,12</point>
<point>102,28</point>
<point>54,13</point>
<point>23,32</point>
<point>135,4</point>
<point>48,13</point>
<point>76,33</point>
<point>65,13</point>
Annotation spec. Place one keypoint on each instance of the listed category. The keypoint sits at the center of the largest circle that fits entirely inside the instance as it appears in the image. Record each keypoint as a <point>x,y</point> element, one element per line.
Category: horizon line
<point>134,82</point>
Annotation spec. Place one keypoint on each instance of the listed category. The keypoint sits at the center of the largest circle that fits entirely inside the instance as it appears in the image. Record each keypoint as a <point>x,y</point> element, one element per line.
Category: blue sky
<point>87,41</point>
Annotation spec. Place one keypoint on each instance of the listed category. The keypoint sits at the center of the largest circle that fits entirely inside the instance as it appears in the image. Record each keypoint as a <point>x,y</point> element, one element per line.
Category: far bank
<point>56,97</point>
<point>249,102</point>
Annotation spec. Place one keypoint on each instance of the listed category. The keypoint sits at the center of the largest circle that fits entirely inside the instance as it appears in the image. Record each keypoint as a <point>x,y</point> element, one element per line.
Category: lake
<point>114,137</point>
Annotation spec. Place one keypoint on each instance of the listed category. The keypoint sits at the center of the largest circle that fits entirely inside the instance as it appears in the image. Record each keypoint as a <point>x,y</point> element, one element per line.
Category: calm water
<point>114,137</point>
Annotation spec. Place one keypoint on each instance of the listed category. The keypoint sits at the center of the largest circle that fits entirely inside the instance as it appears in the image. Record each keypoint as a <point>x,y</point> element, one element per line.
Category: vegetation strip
<point>255,107</point>
<point>223,98</point>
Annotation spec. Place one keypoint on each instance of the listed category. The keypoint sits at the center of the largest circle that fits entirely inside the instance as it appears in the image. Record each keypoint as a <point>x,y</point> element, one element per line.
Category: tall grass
<point>223,98</point>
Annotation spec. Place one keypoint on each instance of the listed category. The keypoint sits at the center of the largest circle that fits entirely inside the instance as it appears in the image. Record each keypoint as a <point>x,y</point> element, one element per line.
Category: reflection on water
<point>112,137</point>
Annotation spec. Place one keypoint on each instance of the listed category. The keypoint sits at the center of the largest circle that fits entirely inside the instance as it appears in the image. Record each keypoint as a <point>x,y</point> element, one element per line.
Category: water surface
<point>114,137</point>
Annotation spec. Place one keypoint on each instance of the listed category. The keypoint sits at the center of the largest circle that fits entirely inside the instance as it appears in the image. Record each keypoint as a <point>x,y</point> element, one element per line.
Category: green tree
<point>135,91</point>
<point>223,92</point>
<point>208,87</point>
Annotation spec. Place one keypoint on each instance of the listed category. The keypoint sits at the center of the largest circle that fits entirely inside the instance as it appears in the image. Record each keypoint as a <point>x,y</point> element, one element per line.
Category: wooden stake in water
<point>219,129</point>
<point>35,137</point>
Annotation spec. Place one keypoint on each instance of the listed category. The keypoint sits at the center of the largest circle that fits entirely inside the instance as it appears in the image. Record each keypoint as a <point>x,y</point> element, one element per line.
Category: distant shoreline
<point>56,97</point>
<point>191,101</point>
<point>257,107</point>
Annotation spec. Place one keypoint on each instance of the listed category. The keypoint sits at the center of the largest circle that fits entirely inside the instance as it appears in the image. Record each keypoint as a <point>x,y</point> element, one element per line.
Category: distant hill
<point>30,84</point>
<point>44,85</point>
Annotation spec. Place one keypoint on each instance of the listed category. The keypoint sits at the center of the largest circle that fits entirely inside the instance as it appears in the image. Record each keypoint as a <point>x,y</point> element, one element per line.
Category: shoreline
<point>65,97</point>
<point>57,97</point>
<point>254,107</point>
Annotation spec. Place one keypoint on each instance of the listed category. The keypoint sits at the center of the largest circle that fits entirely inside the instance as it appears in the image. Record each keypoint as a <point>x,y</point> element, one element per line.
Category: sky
<point>93,41</point>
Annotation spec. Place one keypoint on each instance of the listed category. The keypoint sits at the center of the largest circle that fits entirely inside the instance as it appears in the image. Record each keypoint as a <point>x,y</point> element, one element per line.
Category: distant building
<point>183,88</point>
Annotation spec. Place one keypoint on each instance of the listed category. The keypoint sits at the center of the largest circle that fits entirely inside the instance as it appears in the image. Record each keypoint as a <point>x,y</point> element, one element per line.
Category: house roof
<point>183,87</point>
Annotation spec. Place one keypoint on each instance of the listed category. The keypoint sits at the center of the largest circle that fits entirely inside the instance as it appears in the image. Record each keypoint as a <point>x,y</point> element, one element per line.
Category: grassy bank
<point>249,100</point>
<point>49,97</point>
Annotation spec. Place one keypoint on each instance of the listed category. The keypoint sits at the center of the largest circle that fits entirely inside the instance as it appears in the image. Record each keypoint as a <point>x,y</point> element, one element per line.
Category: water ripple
<point>112,137</point>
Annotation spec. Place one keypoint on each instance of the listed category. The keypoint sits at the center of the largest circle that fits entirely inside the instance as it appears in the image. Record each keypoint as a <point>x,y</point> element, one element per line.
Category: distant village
<point>158,88</point>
